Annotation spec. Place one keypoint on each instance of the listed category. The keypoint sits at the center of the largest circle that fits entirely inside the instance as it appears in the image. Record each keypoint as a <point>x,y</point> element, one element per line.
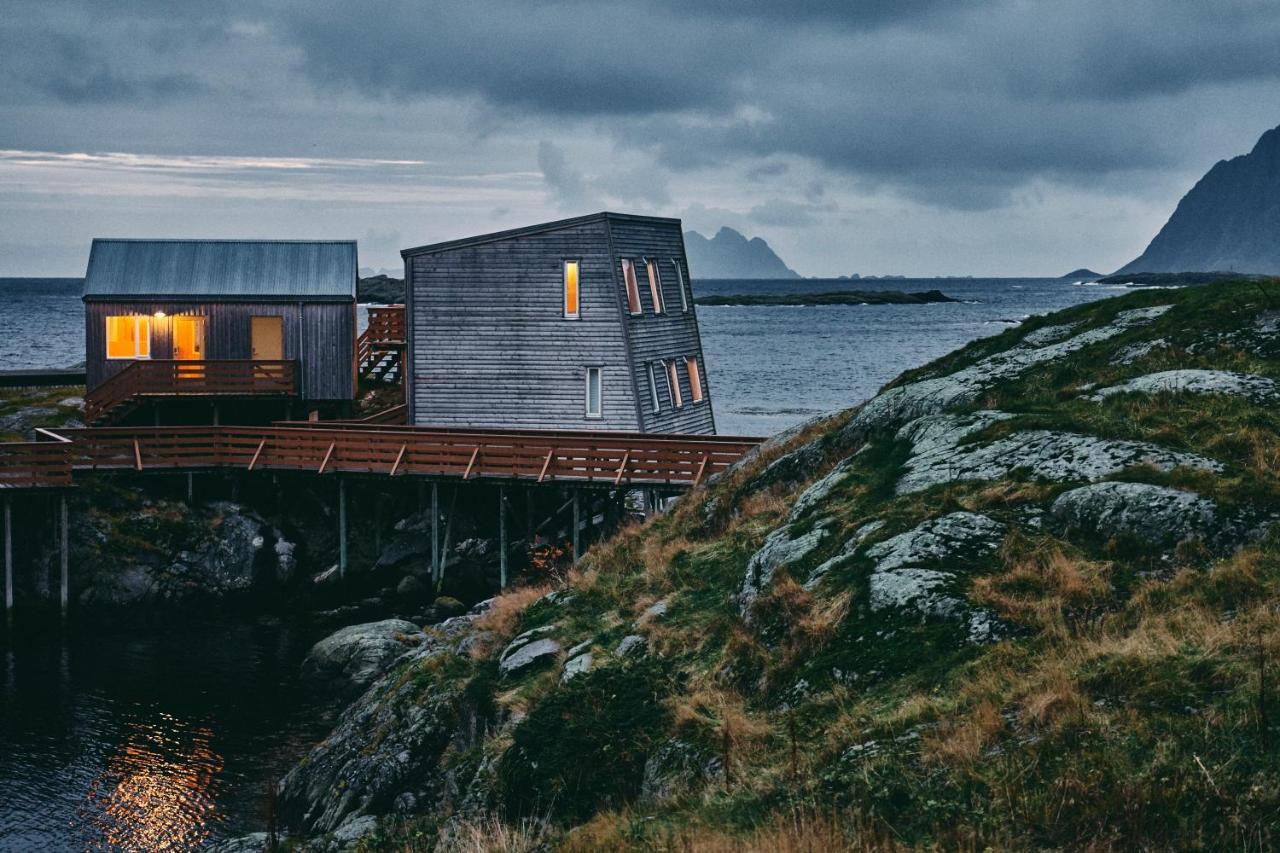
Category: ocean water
<point>768,367</point>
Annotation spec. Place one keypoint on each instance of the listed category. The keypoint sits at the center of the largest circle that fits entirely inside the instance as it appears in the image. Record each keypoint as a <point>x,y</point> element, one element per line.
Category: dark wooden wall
<point>659,337</point>
<point>489,345</point>
<point>324,340</point>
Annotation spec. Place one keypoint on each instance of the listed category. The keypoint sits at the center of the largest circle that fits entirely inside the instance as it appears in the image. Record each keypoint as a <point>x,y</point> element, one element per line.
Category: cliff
<point>1022,599</point>
<point>1230,220</point>
<point>730,255</point>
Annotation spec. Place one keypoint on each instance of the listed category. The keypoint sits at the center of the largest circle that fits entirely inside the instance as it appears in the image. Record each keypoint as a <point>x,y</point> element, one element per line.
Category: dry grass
<point>1044,587</point>
<point>503,618</point>
<point>961,741</point>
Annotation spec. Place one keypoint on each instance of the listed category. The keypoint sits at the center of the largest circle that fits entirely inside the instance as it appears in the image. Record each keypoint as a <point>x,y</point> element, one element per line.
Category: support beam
<point>435,531</point>
<point>577,524</point>
<point>64,587</point>
<point>342,527</point>
<point>448,536</point>
<point>502,537</point>
<point>254,461</point>
<point>8,556</point>
<point>191,488</point>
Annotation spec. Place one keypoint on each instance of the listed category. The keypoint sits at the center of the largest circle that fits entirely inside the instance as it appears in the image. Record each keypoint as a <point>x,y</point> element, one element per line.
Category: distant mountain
<point>731,255</point>
<point>1229,221</point>
<point>1082,274</point>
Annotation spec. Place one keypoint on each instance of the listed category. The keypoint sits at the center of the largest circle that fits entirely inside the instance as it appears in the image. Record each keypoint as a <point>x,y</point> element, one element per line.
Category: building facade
<point>584,323</point>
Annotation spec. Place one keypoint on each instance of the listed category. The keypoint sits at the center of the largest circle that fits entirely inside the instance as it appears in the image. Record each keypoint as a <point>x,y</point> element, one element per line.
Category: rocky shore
<point>841,297</point>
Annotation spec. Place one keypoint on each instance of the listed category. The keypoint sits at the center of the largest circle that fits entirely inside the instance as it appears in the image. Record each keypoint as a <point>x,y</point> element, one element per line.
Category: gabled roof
<point>249,269</point>
<point>533,229</point>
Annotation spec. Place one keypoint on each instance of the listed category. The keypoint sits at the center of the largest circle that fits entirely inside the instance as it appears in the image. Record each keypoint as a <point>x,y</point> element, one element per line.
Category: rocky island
<point>840,297</point>
<point>1024,597</point>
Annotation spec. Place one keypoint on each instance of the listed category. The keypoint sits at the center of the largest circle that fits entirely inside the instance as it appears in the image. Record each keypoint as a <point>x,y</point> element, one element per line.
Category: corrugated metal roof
<point>245,268</point>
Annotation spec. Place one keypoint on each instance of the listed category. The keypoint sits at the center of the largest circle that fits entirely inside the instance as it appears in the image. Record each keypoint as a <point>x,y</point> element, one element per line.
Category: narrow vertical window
<point>695,380</point>
<point>633,289</point>
<point>129,336</point>
<point>673,380</point>
<point>684,297</point>
<point>655,287</point>
<point>595,402</point>
<point>571,290</point>
<point>653,387</point>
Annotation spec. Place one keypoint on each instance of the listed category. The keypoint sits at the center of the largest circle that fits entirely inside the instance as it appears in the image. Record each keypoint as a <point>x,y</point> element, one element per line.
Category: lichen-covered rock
<point>1141,349</point>
<point>822,488</point>
<point>905,403</point>
<point>1156,515</point>
<point>779,550</point>
<point>947,537</point>
<point>1048,334</point>
<point>526,656</point>
<point>860,535</point>
<point>576,666</point>
<point>632,644</point>
<point>1247,385</point>
<point>939,457</point>
<point>351,658</point>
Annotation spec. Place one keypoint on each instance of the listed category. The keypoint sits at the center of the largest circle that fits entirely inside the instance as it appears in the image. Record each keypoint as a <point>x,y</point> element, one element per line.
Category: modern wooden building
<point>241,322</point>
<point>584,323</point>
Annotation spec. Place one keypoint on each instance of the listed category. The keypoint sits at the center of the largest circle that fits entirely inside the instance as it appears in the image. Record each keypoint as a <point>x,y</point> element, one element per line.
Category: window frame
<point>653,388</point>
<point>655,285</point>
<point>673,383</point>
<point>577,289</point>
<point>140,321</point>
<point>634,308</point>
<point>684,298</point>
<point>696,392</point>
<point>598,414</point>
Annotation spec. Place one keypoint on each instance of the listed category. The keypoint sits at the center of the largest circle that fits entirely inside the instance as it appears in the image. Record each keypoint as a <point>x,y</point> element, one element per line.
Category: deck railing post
<point>64,587</point>
<point>577,523</point>
<point>502,537</point>
<point>342,528</point>
<point>8,556</point>
<point>435,532</point>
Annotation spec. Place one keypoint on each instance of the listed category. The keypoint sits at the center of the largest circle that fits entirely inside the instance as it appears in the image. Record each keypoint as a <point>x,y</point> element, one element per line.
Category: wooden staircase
<point>380,348</point>
<point>114,399</point>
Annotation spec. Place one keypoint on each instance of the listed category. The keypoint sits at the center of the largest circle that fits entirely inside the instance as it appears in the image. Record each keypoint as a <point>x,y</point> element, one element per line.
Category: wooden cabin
<point>253,329</point>
<point>584,323</point>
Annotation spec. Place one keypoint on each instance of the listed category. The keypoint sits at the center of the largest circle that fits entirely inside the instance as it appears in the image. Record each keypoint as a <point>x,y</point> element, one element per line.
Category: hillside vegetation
<point>1024,598</point>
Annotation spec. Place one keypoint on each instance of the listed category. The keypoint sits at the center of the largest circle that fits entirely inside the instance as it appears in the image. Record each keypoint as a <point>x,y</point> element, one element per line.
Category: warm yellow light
<point>159,315</point>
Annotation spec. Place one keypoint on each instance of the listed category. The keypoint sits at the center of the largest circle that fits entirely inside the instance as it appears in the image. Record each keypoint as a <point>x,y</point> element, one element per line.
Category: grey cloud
<point>789,214</point>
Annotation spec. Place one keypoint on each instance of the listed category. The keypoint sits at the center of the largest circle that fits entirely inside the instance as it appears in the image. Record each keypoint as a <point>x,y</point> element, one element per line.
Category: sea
<point>164,736</point>
<point>768,367</point>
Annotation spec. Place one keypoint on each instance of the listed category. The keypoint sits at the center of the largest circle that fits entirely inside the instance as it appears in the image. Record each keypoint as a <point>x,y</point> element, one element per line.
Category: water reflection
<point>158,791</point>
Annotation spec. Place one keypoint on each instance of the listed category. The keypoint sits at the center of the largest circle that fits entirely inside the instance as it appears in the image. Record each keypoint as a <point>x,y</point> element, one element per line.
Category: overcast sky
<point>919,137</point>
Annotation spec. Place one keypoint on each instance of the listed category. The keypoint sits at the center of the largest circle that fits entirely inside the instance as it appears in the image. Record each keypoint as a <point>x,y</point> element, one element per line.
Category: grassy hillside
<point>917,624</point>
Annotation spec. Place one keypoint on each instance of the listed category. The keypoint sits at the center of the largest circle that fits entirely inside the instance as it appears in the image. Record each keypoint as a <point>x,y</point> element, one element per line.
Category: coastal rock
<point>860,535</point>
<point>1048,334</point>
<point>822,488</point>
<point>576,666</point>
<point>632,644</point>
<point>779,550</point>
<point>1156,515</point>
<point>924,397</point>
<point>938,456</point>
<point>793,466</point>
<point>351,658</point>
<point>526,656</point>
<point>959,534</point>
<point>1141,349</point>
<point>1247,385</point>
<point>254,842</point>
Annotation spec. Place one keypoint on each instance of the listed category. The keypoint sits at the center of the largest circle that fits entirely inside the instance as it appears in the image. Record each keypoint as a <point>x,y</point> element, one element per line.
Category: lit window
<point>653,387</point>
<point>571,290</point>
<point>129,336</point>
<point>684,299</point>
<point>633,289</point>
<point>655,287</point>
<point>595,405</point>
<point>673,381</point>
<point>695,380</point>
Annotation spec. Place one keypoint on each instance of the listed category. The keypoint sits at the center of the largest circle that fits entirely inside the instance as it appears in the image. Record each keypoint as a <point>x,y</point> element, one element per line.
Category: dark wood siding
<point>670,336</point>
<point>321,337</point>
<point>490,345</point>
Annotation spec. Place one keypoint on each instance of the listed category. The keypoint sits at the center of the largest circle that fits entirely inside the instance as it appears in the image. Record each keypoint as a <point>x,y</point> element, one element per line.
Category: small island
<point>1177,279</point>
<point>840,297</point>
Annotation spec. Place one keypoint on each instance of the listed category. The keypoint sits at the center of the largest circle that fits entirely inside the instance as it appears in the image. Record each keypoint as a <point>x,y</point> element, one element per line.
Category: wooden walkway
<point>373,449</point>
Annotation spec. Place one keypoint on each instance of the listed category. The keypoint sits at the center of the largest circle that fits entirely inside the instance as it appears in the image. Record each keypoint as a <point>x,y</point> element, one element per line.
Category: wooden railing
<point>530,456</point>
<point>169,377</point>
<point>35,464</point>
<point>385,335</point>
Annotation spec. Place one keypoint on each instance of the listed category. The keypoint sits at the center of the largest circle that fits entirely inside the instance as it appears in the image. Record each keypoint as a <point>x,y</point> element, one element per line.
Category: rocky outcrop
<point>1155,515</point>
<point>1247,385</point>
<point>779,550</point>
<point>348,660</point>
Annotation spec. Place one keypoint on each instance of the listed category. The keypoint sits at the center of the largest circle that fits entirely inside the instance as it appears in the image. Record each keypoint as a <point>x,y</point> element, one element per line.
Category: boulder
<point>779,550</point>
<point>1156,515</point>
<point>822,488</point>
<point>524,657</point>
<point>1247,385</point>
<point>632,644</point>
<point>576,666</point>
<point>412,591</point>
<point>351,658</point>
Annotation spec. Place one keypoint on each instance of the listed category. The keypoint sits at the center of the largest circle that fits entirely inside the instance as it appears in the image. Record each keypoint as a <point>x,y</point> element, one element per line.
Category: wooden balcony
<point>172,378</point>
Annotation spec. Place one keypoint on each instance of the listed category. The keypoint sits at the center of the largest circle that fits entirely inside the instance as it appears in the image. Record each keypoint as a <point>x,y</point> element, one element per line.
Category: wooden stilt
<point>8,556</point>
<point>342,527</point>
<point>502,537</point>
<point>215,414</point>
<point>64,587</point>
<point>435,531</point>
<point>191,488</point>
<point>577,523</point>
<point>448,536</point>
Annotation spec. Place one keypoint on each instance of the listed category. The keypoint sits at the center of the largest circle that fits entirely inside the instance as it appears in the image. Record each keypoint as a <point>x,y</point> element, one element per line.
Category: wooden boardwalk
<point>603,458</point>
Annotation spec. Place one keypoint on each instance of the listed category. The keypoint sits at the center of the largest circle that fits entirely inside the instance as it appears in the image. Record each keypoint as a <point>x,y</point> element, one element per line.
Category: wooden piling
<point>435,532</point>
<point>8,555</point>
<point>577,524</point>
<point>64,587</point>
<point>502,537</point>
<point>342,527</point>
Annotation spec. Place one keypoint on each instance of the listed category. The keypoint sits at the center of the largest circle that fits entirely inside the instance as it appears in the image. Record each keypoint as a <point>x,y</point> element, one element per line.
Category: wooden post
<point>215,414</point>
<point>342,527</point>
<point>191,488</point>
<point>65,585</point>
<point>435,531</point>
<point>8,556</point>
<point>502,537</point>
<point>448,535</point>
<point>577,548</point>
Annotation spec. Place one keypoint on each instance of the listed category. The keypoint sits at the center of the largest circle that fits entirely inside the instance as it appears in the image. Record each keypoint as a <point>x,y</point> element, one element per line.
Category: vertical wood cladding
<point>320,335</point>
<point>489,345</point>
